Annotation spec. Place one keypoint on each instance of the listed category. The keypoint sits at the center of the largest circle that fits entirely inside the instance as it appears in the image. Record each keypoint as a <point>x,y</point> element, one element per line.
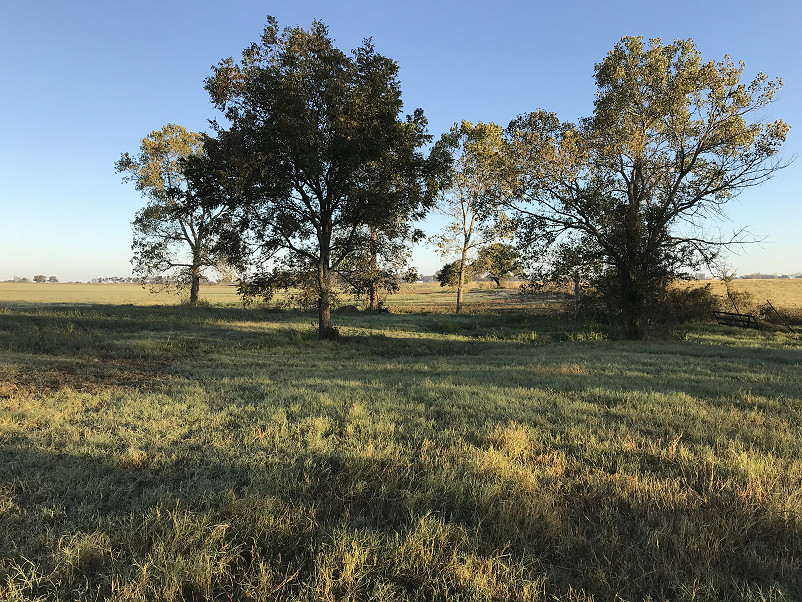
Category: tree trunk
<point>194,286</point>
<point>373,296</point>
<point>373,287</point>
<point>325,328</point>
<point>461,281</point>
<point>632,308</point>
<point>577,293</point>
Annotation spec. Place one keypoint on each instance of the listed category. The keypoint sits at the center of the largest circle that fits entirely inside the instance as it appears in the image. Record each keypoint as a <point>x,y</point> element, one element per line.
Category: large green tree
<point>478,180</point>
<point>409,181</point>
<point>671,140</point>
<point>322,158</point>
<point>175,232</point>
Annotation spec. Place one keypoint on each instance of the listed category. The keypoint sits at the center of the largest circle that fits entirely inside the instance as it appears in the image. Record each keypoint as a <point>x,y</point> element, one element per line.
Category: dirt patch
<point>88,377</point>
<point>346,310</point>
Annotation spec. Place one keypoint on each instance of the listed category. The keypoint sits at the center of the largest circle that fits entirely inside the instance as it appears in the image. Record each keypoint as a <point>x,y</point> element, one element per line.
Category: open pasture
<point>419,297</point>
<point>782,293</point>
<point>413,298</point>
<point>223,453</point>
<point>113,294</point>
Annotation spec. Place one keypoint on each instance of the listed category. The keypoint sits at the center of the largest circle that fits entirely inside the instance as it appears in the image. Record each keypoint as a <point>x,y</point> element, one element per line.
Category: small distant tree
<point>378,269</point>
<point>52,279</point>
<point>498,260</point>
<point>451,274</point>
<point>573,260</point>
<point>478,180</point>
<point>227,274</point>
<point>174,234</point>
<point>40,278</point>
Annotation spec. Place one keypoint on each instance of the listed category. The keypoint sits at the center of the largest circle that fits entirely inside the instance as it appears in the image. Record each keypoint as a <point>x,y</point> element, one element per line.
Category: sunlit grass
<point>781,292</point>
<point>163,453</point>
<point>412,297</point>
<point>481,297</point>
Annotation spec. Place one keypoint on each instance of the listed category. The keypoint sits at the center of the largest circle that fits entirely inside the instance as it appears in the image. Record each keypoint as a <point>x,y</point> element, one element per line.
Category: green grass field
<point>223,453</point>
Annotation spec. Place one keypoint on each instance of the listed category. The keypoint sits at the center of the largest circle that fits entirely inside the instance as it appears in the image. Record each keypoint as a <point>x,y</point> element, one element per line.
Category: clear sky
<point>85,80</point>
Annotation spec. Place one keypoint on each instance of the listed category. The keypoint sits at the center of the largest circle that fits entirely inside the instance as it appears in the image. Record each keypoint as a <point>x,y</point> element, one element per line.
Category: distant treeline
<point>759,276</point>
<point>167,280</point>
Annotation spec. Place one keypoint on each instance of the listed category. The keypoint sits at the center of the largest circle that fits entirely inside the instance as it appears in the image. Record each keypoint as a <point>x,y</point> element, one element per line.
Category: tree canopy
<point>498,260</point>
<point>320,153</point>
<point>451,273</point>
<point>477,181</point>
<point>671,140</point>
<point>174,234</point>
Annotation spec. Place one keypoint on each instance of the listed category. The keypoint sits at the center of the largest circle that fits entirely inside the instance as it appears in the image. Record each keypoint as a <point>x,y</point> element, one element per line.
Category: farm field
<point>412,297</point>
<point>116,294</point>
<point>163,452</point>
<point>783,293</point>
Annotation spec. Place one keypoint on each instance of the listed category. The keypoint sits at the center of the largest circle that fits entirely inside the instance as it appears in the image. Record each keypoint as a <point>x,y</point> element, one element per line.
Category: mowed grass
<point>223,453</point>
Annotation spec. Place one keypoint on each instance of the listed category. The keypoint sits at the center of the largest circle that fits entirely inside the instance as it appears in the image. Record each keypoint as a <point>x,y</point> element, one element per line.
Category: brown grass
<point>113,294</point>
<point>783,293</point>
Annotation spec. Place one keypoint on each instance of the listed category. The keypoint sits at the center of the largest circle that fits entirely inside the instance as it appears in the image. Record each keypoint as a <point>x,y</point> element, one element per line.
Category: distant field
<point>412,298</point>
<point>162,453</point>
<point>782,293</point>
<point>116,294</point>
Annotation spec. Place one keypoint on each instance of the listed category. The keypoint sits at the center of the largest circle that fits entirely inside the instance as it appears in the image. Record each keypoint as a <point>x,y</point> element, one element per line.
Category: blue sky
<point>85,81</point>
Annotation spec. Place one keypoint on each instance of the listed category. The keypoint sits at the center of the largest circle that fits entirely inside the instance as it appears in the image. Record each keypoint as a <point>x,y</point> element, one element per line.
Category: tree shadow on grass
<point>435,501</point>
<point>210,528</point>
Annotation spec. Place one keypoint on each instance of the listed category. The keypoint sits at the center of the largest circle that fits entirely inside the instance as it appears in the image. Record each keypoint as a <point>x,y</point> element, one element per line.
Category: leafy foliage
<point>667,146</point>
<point>498,260</point>
<point>450,274</point>
<point>174,234</point>
<point>319,154</point>
<point>378,269</point>
<point>478,180</point>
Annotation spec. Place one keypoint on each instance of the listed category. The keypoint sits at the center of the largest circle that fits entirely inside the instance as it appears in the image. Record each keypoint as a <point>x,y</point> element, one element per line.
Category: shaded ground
<point>222,453</point>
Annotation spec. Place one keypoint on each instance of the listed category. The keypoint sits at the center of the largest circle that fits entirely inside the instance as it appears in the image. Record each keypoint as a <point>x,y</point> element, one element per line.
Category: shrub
<point>690,304</point>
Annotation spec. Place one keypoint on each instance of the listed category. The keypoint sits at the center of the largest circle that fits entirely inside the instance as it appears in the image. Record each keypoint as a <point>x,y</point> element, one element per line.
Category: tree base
<point>329,333</point>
